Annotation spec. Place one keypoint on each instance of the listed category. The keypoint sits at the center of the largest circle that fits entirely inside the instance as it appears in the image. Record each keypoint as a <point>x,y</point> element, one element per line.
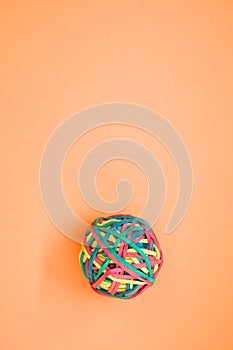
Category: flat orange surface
<point>60,57</point>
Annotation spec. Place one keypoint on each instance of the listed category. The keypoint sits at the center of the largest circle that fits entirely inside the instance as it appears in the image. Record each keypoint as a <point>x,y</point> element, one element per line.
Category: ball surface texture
<point>120,256</point>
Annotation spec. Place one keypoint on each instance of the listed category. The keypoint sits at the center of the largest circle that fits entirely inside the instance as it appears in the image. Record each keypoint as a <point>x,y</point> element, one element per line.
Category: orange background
<point>62,56</point>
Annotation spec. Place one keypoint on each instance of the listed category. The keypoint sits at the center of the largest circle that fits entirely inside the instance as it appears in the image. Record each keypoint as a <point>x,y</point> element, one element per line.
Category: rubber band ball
<point>120,256</point>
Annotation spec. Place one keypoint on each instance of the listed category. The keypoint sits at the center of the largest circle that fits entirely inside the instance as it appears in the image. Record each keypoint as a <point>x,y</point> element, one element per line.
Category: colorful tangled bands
<point>120,256</point>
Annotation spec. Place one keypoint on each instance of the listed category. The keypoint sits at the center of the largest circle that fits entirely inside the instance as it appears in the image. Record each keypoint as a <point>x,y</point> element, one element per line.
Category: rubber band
<point>120,256</point>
